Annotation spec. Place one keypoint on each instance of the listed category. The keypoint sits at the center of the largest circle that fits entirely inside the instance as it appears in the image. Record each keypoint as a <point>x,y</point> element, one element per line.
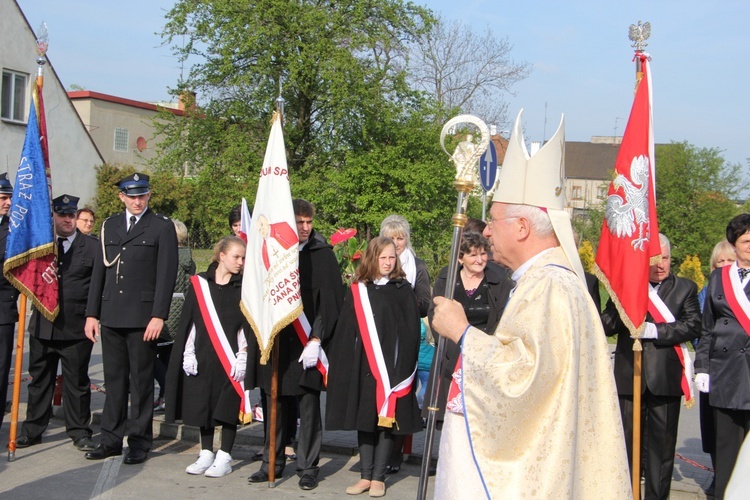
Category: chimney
<point>186,101</point>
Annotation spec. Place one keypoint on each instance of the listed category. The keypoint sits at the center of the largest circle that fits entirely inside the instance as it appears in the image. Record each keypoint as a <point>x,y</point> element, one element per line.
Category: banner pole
<point>17,380</point>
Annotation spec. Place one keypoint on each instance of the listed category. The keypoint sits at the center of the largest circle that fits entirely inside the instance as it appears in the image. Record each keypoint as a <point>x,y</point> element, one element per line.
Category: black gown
<point>351,403</point>
<point>208,398</point>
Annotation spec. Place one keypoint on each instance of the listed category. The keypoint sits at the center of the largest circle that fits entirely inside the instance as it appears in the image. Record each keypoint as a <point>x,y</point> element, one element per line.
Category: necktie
<point>743,273</point>
<point>132,223</point>
<point>60,246</point>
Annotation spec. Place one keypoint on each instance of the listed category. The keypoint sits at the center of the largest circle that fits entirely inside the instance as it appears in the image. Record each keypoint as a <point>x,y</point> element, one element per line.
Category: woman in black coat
<point>483,289</point>
<point>383,301</point>
<point>206,370</point>
<point>722,360</point>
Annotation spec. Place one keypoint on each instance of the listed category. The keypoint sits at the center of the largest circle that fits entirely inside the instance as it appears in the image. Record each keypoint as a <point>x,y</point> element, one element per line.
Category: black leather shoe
<point>84,444</point>
<point>25,441</point>
<point>308,482</point>
<point>135,456</point>
<point>103,451</point>
<point>258,477</point>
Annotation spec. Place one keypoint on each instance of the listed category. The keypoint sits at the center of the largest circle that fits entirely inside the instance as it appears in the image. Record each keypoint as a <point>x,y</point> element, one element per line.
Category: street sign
<point>488,167</point>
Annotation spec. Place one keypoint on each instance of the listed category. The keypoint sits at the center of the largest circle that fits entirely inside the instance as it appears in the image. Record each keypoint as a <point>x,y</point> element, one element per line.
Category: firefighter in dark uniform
<point>131,289</point>
<point>8,297</point>
<point>63,341</point>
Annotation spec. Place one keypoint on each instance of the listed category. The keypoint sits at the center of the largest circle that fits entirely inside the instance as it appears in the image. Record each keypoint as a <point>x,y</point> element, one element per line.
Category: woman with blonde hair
<point>209,359</point>
<point>373,362</point>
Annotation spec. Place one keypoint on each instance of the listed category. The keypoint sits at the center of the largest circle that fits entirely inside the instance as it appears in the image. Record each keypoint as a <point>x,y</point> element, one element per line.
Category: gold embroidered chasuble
<point>540,399</point>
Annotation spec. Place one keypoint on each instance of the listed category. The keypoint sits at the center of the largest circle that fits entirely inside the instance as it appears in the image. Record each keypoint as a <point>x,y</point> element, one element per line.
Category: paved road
<point>55,469</point>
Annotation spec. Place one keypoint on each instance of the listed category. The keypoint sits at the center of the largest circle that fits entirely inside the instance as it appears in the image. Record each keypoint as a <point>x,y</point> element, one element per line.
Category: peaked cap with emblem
<point>5,186</point>
<point>134,185</point>
<point>65,204</point>
<point>539,181</point>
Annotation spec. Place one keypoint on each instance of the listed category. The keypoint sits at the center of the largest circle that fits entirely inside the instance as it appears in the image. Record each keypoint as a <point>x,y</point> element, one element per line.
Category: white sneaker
<point>221,466</point>
<point>205,459</point>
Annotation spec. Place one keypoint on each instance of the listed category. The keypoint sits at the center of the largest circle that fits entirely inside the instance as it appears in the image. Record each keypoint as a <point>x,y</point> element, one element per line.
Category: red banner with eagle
<point>629,241</point>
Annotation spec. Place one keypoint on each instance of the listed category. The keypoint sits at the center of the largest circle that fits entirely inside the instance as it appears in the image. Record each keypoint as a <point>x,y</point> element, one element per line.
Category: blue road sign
<point>488,167</point>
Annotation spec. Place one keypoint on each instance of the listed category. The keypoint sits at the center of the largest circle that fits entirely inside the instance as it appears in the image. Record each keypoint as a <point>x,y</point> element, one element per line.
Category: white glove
<point>239,367</point>
<point>310,355</point>
<point>189,363</point>
<point>702,382</point>
<point>650,331</point>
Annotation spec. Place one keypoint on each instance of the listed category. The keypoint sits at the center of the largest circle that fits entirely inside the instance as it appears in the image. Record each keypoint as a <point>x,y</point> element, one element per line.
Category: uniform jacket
<point>662,370</point>
<point>8,293</point>
<point>351,399</point>
<point>147,271</point>
<point>74,276</point>
<point>724,350</point>
<point>322,294</point>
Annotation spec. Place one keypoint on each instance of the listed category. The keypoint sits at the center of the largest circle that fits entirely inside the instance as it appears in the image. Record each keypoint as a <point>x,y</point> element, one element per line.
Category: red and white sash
<point>661,314</point>
<point>303,329</point>
<point>218,338</point>
<point>736,297</point>
<point>385,394</point>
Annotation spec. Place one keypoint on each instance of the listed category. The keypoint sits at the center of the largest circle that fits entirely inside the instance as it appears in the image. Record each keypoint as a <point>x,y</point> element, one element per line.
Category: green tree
<point>695,189</point>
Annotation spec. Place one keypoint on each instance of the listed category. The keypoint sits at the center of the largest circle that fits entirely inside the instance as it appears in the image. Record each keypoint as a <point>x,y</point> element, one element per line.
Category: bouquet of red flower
<point>348,250</point>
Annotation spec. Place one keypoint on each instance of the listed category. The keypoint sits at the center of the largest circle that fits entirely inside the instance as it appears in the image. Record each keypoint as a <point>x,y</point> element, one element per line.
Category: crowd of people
<point>529,399</point>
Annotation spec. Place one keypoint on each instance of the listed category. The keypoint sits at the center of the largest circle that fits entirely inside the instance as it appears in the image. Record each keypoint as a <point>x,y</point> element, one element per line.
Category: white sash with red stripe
<point>303,329</point>
<point>736,297</point>
<point>385,394</point>
<point>661,314</point>
<point>218,338</point>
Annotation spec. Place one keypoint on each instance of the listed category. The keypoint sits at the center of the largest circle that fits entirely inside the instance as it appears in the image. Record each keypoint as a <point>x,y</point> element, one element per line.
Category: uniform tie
<point>132,222</point>
<point>61,246</point>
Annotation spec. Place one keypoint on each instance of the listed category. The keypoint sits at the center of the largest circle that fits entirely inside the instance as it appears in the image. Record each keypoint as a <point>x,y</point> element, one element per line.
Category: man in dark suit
<point>131,289</point>
<point>63,341</point>
<point>8,297</point>
<point>662,371</point>
<point>300,382</point>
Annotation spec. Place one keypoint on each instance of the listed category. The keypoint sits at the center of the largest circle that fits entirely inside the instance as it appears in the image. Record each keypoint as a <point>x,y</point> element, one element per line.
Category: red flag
<point>30,261</point>
<point>245,220</point>
<point>629,242</point>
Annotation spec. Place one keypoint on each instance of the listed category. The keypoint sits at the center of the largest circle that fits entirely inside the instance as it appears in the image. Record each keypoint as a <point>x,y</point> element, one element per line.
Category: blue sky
<point>579,50</point>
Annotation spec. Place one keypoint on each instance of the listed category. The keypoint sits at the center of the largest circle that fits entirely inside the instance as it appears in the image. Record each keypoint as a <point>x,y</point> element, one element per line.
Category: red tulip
<point>342,235</point>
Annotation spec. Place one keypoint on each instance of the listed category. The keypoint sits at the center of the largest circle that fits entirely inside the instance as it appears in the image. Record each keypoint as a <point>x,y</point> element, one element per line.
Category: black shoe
<point>25,441</point>
<point>135,456</point>
<point>711,490</point>
<point>84,444</point>
<point>258,477</point>
<point>103,451</point>
<point>257,457</point>
<point>392,470</point>
<point>308,482</point>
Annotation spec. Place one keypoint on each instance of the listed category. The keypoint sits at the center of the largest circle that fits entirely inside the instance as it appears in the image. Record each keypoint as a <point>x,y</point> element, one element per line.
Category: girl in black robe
<point>351,401</point>
<point>199,391</point>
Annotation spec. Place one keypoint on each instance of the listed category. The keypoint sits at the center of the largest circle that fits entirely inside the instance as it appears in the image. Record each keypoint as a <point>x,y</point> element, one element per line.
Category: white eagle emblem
<point>623,215</point>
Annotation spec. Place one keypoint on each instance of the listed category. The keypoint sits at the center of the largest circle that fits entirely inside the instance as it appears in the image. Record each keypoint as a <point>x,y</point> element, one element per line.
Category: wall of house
<point>73,155</point>
<point>103,117</point>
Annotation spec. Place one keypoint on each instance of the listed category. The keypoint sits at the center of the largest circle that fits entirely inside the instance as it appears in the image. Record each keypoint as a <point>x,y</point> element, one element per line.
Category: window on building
<point>603,189</point>
<point>121,140</point>
<point>576,192</point>
<point>13,104</point>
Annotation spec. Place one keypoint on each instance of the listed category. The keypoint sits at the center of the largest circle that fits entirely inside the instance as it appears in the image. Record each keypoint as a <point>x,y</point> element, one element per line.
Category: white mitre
<point>539,181</point>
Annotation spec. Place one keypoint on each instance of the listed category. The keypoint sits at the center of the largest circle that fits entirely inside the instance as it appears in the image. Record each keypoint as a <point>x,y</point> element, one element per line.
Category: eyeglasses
<point>86,221</point>
<point>490,219</point>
